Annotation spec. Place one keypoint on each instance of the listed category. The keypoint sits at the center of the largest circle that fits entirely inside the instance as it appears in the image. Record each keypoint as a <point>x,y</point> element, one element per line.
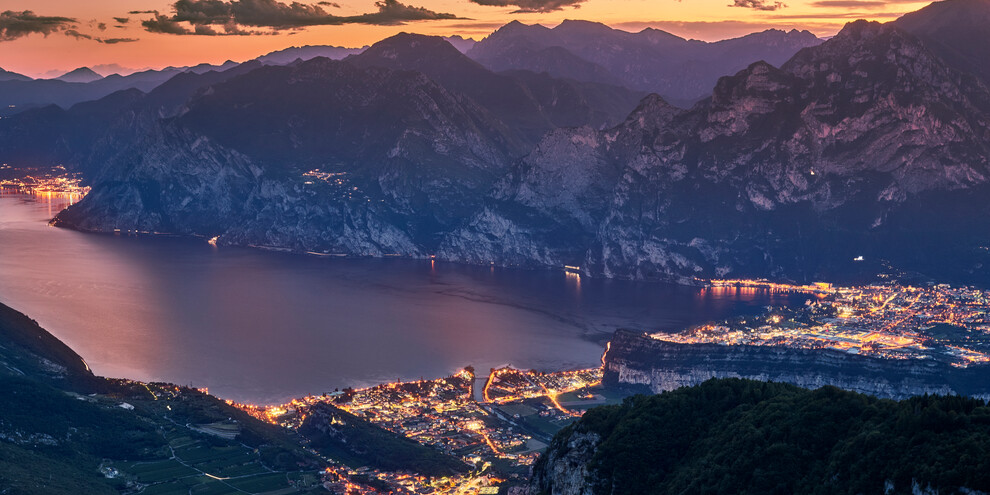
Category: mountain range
<point>682,71</point>
<point>872,144</point>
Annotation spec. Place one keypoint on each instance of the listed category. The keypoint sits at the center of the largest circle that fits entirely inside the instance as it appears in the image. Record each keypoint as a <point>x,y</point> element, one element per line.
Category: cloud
<point>230,17</point>
<point>15,25</point>
<point>758,4</point>
<point>840,16</point>
<point>122,20</point>
<point>329,4</point>
<point>109,41</point>
<point>527,6</point>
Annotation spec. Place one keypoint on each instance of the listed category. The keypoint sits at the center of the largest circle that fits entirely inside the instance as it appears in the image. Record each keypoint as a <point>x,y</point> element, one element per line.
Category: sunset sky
<point>39,36</point>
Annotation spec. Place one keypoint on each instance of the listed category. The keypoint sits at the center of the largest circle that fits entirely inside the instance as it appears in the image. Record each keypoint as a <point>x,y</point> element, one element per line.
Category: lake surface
<point>262,327</point>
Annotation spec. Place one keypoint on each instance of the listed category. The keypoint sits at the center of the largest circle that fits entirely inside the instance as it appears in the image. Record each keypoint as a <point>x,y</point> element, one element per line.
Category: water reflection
<point>260,327</point>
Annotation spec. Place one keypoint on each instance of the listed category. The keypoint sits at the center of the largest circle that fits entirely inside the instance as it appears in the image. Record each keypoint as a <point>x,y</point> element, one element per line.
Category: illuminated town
<point>887,321</point>
<point>499,424</point>
<point>499,427</point>
<point>42,182</point>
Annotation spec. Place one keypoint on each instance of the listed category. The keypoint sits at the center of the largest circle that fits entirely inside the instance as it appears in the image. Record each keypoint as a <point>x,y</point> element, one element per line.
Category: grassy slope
<point>56,435</point>
<point>59,423</point>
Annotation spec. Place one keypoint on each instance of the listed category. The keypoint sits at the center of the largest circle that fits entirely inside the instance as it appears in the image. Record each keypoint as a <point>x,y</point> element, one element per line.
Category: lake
<point>261,327</point>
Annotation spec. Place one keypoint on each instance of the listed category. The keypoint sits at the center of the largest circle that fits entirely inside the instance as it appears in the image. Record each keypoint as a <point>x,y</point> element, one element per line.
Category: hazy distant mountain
<point>110,69</point>
<point>462,44</point>
<point>18,95</point>
<point>683,71</point>
<point>6,75</point>
<point>80,75</point>
<point>291,54</point>
<point>82,136</point>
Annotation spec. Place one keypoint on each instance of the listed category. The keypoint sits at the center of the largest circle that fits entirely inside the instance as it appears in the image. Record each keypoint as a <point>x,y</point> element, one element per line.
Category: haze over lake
<point>262,327</point>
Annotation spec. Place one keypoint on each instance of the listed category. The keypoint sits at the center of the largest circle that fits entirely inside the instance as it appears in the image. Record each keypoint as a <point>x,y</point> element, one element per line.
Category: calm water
<point>263,327</point>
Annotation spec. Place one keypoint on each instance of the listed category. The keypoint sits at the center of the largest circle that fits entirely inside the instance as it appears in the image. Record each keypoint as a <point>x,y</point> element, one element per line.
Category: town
<point>44,181</point>
<point>950,324</point>
<point>499,424</point>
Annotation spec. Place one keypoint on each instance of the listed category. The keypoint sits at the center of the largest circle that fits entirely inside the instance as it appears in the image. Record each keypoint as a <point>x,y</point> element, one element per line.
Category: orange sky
<point>36,54</point>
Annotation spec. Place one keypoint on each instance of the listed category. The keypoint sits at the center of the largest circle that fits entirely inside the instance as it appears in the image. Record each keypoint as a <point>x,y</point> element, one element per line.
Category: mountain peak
<point>405,48</point>
<point>6,75</point>
<point>516,28</point>
<point>431,55</point>
<point>860,29</point>
<point>80,75</point>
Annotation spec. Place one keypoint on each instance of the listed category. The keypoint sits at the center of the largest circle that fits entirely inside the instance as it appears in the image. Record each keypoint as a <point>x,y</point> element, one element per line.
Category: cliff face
<point>399,158</point>
<point>564,469</point>
<point>865,145</point>
<point>634,358</point>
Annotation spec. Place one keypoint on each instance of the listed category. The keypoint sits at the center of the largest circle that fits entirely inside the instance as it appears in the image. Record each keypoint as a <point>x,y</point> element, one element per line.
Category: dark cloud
<point>102,26</point>
<point>329,4</point>
<point>109,41</point>
<point>122,20</point>
<point>77,35</point>
<point>114,41</point>
<point>526,6</point>
<point>15,25</point>
<point>231,17</point>
<point>758,4</point>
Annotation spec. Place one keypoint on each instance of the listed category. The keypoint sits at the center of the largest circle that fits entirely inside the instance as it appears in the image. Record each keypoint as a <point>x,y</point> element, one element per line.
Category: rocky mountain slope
<point>394,159</point>
<point>869,144</point>
<point>955,31</point>
<point>682,71</point>
<point>739,436</point>
<point>528,104</point>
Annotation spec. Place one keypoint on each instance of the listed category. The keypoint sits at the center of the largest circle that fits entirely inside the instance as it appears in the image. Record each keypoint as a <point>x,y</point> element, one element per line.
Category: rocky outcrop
<point>564,467</point>
<point>637,359</point>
